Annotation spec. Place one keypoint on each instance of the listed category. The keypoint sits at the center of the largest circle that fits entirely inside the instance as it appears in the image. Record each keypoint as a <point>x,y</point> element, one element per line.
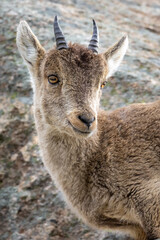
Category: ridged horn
<point>60,39</point>
<point>93,44</point>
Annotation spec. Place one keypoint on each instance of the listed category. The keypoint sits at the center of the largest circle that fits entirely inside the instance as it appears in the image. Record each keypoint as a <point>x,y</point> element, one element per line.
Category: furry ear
<point>115,54</point>
<point>28,45</point>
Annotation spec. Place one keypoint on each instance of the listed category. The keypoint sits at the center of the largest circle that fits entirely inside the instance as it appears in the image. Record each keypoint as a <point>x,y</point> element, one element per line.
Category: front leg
<point>135,232</point>
<point>147,202</point>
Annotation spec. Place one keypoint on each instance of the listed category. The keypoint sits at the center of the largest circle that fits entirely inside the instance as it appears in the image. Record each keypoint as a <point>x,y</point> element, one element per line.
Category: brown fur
<point>110,175</point>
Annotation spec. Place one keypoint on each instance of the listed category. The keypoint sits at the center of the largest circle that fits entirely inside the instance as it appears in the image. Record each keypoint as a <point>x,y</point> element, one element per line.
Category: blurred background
<point>30,205</point>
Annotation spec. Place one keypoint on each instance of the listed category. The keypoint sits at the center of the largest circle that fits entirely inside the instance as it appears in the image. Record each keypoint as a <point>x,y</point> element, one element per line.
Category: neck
<point>66,159</point>
<point>74,166</point>
<point>63,154</point>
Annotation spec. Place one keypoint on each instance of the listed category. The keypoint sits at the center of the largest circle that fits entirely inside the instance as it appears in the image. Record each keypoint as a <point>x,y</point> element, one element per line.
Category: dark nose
<point>88,120</point>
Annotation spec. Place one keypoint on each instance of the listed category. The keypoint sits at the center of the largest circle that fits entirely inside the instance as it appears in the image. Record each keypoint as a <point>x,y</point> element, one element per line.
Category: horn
<point>60,39</point>
<point>93,44</point>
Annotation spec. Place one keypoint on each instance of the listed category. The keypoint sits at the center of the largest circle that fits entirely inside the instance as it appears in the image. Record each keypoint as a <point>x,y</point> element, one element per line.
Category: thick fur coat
<point>109,172</point>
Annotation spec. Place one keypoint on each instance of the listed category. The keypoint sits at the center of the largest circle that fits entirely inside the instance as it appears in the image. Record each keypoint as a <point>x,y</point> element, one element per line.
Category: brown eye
<point>103,84</point>
<point>52,79</point>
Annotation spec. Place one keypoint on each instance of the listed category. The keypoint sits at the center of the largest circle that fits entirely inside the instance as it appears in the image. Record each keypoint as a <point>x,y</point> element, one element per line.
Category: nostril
<point>88,121</point>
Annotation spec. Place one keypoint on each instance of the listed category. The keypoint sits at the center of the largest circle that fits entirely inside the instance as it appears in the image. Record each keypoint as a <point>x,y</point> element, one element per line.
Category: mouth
<point>79,131</point>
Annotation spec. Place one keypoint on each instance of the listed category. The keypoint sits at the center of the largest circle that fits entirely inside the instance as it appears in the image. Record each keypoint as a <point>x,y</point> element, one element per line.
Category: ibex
<point>107,164</point>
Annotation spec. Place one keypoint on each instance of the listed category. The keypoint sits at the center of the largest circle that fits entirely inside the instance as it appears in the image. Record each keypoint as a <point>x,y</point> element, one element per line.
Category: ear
<point>115,54</point>
<point>29,46</point>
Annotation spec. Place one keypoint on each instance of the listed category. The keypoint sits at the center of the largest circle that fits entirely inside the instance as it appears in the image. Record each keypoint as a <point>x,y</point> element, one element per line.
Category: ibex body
<point>106,164</point>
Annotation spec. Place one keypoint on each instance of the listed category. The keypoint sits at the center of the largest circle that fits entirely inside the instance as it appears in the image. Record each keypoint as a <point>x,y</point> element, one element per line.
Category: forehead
<point>75,59</point>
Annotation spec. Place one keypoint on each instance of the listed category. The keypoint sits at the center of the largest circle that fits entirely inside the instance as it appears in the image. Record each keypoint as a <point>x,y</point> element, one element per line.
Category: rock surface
<point>30,204</point>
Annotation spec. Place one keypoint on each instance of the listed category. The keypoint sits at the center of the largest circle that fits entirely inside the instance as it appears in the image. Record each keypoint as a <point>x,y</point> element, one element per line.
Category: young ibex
<point>106,164</point>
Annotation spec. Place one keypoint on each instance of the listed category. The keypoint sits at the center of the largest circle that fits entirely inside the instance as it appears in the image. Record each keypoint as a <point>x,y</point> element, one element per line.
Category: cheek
<point>99,94</point>
<point>52,106</point>
<point>70,100</point>
<point>95,100</point>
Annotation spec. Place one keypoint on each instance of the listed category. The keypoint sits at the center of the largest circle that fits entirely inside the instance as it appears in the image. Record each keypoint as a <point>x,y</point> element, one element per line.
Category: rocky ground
<point>30,205</point>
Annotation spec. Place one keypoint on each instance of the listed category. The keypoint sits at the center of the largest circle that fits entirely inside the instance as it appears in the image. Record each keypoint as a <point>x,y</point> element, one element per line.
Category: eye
<point>103,84</point>
<point>53,79</point>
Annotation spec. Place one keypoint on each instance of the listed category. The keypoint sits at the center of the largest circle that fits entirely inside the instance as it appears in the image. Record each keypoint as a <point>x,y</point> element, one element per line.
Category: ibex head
<point>68,79</point>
